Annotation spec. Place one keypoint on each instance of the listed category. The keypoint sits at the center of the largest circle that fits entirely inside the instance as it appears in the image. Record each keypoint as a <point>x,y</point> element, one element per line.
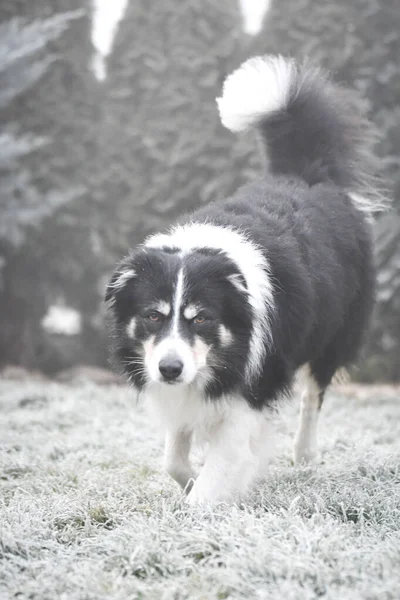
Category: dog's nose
<point>170,369</point>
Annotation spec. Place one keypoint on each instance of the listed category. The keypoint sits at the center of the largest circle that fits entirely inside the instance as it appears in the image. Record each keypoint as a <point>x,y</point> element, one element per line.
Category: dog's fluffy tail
<point>310,127</point>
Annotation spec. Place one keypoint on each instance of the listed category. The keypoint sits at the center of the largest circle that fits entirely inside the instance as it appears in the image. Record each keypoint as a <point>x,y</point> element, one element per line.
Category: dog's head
<point>180,319</point>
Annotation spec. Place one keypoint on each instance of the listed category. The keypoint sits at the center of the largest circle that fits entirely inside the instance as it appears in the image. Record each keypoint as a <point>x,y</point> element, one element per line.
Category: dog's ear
<point>120,277</point>
<point>238,281</point>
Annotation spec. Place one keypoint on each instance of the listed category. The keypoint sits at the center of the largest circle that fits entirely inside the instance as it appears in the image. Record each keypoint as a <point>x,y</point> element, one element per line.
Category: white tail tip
<point>259,87</point>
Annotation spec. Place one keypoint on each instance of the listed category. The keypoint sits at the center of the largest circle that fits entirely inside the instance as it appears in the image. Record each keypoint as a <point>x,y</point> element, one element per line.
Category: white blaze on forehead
<point>251,263</point>
<point>131,328</point>
<point>225,335</point>
<point>163,307</point>
<point>178,298</point>
<point>191,311</point>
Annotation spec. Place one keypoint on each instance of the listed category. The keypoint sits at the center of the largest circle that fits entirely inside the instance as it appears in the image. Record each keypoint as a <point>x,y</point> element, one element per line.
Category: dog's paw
<point>183,476</point>
<point>305,455</point>
<point>196,498</point>
<point>192,500</point>
<point>204,496</point>
<point>189,486</point>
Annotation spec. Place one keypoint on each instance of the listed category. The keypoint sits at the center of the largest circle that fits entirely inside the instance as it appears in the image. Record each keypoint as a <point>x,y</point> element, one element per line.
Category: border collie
<point>212,319</point>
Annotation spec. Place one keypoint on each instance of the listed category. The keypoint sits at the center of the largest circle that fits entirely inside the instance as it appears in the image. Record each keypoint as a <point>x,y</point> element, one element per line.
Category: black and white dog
<point>212,319</point>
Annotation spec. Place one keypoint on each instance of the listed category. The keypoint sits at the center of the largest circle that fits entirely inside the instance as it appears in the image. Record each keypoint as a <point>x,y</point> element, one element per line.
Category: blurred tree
<point>163,146</point>
<point>88,168</point>
<point>47,107</point>
<point>21,68</point>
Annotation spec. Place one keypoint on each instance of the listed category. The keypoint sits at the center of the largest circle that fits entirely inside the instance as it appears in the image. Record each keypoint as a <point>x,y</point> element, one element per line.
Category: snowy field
<point>87,513</point>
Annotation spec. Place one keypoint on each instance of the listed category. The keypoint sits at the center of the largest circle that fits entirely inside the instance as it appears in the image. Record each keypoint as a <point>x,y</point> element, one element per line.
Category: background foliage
<point>89,166</point>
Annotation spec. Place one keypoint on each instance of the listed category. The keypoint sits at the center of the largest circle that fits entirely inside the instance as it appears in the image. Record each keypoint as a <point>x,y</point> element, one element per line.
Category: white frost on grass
<point>86,512</point>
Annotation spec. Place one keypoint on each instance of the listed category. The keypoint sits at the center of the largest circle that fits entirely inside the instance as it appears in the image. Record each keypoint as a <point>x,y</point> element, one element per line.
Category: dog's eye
<point>199,319</point>
<point>154,317</point>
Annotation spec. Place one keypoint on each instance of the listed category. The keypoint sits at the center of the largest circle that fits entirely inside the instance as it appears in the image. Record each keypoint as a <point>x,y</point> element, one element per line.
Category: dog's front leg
<point>232,460</point>
<point>176,456</point>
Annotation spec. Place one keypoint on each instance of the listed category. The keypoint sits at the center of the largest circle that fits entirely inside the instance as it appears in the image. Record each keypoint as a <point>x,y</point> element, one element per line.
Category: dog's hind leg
<point>330,366</point>
<point>176,457</point>
<point>305,445</point>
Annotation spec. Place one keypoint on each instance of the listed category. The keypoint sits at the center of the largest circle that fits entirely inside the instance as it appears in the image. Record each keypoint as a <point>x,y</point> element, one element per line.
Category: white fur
<point>225,335</point>
<point>122,279</point>
<point>238,439</point>
<point>190,312</point>
<point>164,308</point>
<point>200,352</point>
<point>250,261</point>
<point>232,463</point>
<point>235,280</point>
<point>131,328</point>
<point>181,407</point>
<point>178,296</point>
<point>176,456</point>
<point>367,205</point>
<point>305,446</point>
<point>259,87</point>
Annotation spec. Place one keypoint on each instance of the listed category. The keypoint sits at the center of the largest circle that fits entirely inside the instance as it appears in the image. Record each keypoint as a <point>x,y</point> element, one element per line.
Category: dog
<point>212,319</point>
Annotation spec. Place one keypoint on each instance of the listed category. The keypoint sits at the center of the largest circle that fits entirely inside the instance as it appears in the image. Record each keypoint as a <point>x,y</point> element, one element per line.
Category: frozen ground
<point>86,512</point>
